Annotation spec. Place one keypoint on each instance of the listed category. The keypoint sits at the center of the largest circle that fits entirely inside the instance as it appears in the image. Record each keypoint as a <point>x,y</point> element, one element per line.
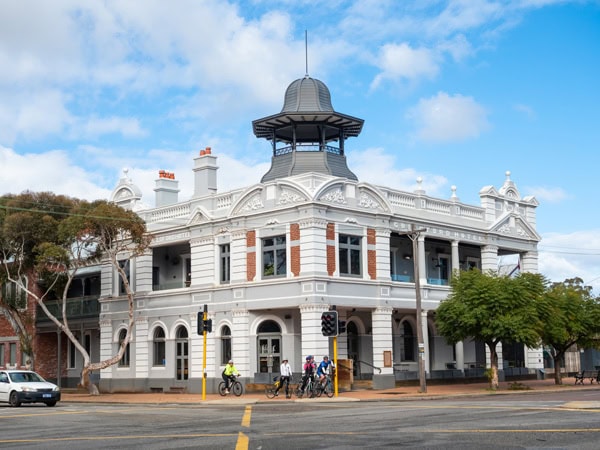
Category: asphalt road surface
<point>550,420</point>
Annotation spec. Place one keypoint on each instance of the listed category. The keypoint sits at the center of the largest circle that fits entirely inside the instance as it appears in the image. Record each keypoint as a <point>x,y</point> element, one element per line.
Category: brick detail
<point>251,255</point>
<point>330,237</point>
<point>371,254</point>
<point>295,248</point>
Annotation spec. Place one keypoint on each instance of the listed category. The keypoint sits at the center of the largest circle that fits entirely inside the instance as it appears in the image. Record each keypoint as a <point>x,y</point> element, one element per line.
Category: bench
<point>592,375</point>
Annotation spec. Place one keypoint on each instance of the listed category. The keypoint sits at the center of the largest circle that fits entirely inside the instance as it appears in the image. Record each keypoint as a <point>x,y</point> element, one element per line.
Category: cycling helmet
<point>308,358</point>
<point>325,357</point>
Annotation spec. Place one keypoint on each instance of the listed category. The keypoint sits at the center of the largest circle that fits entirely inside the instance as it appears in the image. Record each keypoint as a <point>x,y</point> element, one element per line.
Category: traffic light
<point>341,326</point>
<point>204,325</point>
<point>329,323</point>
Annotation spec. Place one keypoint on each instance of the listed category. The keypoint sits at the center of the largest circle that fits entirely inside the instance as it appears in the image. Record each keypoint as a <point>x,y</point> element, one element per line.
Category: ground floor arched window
<point>158,345</point>
<point>225,344</point>
<point>124,361</point>
<point>181,354</point>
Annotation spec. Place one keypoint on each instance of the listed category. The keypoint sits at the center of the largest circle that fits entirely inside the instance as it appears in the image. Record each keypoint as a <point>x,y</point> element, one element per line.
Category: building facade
<point>268,259</point>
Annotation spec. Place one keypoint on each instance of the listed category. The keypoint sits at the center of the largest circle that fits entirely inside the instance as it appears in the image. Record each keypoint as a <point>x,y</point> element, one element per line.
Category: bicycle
<point>326,388</point>
<point>309,389</point>
<point>235,387</point>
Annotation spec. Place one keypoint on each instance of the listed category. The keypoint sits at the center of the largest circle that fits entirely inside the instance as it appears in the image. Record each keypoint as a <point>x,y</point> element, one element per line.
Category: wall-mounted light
<point>407,256</point>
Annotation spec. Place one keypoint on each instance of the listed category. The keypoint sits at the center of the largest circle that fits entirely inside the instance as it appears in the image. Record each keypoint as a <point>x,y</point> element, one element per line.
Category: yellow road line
<point>246,417</point>
<point>242,442</point>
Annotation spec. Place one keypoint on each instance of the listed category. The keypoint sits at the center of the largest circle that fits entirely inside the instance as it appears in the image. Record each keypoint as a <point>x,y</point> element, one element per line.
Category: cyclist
<point>323,370</point>
<point>308,371</point>
<point>229,374</point>
<point>285,371</point>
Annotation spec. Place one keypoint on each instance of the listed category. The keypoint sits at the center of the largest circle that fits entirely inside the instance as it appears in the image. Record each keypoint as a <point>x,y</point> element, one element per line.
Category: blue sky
<point>456,92</point>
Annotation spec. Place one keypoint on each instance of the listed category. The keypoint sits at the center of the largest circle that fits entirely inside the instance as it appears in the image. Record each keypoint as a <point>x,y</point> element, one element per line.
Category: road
<point>544,420</point>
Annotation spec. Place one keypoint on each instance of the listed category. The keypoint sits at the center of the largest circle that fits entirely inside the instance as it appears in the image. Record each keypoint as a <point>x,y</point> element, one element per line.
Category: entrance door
<point>269,347</point>
<point>353,348</point>
<point>181,354</point>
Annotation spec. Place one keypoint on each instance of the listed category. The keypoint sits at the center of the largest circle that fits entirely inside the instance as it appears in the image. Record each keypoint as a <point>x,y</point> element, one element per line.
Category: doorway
<point>269,347</point>
<point>181,354</point>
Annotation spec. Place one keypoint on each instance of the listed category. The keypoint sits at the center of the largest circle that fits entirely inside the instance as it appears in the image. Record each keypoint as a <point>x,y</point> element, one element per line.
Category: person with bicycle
<point>285,375</point>
<point>323,370</point>
<point>308,372</point>
<point>229,374</point>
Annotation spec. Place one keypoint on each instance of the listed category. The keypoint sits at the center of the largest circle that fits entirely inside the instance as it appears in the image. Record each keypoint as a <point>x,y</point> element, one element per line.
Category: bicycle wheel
<point>269,391</point>
<point>237,388</point>
<point>329,391</point>
<point>222,389</point>
<point>299,392</point>
<point>310,390</point>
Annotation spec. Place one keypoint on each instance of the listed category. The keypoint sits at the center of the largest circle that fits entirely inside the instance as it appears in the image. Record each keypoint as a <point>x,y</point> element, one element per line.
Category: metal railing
<point>77,308</point>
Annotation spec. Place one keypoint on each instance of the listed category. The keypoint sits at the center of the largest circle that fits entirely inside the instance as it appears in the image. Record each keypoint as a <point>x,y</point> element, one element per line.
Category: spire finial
<point>306,51</point>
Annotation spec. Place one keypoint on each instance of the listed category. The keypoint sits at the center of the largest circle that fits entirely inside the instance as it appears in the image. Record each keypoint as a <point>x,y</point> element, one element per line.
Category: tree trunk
<point>556,357</point>
<point>493,367</point>
<point>87,384</point>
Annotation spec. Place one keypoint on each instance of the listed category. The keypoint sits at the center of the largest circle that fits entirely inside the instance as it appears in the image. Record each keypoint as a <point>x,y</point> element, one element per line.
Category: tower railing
<point>307,148</point>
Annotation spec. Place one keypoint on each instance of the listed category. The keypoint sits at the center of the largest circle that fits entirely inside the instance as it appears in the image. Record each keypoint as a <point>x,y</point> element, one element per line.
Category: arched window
<point>181,353</point>
<point>269,346</point>
<point>225,344</point>
<point>159,347</point>
<point>124,361</point>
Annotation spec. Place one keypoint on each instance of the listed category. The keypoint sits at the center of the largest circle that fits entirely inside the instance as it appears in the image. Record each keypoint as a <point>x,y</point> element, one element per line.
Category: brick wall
<point>371,254</point>
<point>251,255</point>
<point>330,238</point>
<point>295,248</point>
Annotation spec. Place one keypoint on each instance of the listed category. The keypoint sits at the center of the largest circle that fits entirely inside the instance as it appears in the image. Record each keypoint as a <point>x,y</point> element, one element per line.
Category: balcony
<point>402,278</point>
<point>77,308</point>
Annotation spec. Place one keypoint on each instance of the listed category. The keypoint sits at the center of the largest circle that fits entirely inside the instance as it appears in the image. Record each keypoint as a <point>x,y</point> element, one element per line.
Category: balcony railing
<point>77,308</point>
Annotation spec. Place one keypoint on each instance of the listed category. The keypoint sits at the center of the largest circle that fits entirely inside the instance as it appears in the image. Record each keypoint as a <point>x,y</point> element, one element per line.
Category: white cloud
<point>51,171</point>
<point>525,109</point>
<point>577,254</point>
<point>376,166</point>
<point>446,118</point>
<point>127,126</point>
<point>548,195</point>
<point>398,62</point>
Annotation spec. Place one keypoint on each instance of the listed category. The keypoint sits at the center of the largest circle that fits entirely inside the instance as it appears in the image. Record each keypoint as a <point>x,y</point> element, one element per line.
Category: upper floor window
<point>274,256</point>
<point>14,295</point>
<point>225,263</point>
<point>349,254</point>
<point>124,264</point>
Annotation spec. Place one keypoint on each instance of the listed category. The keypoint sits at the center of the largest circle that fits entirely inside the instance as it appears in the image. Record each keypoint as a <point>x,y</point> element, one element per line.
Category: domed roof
<point>307,95</point>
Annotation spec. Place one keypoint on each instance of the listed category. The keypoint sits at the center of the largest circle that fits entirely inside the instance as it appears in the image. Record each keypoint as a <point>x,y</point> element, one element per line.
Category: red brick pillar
<point>330,238</point>
<point>371,254</point>
<point>251,255</point>
<point>295,248</point>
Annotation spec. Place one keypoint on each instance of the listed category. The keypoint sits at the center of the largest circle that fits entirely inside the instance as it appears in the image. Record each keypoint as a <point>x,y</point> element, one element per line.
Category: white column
<point>313,341</point>
<point>240,341</point>
<point>489,258</point>
<point>106,347</point>
<point>142,356</point>
<point>529,262</point>
<point>460,356</point>
<point>382,254</point>
<point>143,272</point>
<point>455,257</point>
<point>422,260</point>
<point>313,247</point>
<point>238,257</point>
<point>203,261</point>
<point>425,338</point>
<point>382,337</point>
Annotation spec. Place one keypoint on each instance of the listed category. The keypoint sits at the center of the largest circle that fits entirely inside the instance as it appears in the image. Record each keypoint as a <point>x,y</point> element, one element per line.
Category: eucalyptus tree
<point>572,317</point>
<point>492,308</point>
<point>49,238</point>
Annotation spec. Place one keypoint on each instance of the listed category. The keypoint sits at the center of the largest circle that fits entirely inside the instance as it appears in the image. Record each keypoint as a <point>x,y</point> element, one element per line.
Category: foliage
<point>50,237</point>
<point>571,317</point>
<point>492,308</point>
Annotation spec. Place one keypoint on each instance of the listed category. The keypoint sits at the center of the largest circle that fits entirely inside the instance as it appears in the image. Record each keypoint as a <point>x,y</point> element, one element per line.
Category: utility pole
<point>414,234</point>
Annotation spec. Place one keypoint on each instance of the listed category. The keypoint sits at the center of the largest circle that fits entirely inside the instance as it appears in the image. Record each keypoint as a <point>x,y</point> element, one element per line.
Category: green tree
<point>571,317</point>
<point>492,308</point>
<point>51,237</point>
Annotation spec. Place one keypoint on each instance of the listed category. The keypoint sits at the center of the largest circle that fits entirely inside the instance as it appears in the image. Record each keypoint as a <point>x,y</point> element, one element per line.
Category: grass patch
<point>516,386</point>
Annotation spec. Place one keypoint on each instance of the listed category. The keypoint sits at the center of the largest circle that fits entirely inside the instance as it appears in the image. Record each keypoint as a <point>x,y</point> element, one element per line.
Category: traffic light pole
<point>204,332</point>
<point>335,363</point>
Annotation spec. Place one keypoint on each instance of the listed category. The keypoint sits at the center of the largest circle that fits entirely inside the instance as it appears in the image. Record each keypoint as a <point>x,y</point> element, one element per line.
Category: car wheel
<point>52,403</point>
<point>14,399</point>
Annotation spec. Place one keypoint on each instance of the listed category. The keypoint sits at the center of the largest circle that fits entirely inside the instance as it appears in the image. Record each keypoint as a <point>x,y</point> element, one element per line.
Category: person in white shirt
<point>285,372</point>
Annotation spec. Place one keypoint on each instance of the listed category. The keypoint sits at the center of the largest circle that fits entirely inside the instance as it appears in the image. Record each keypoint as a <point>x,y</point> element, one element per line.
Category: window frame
<point>226,353</point>
<point>225,263</point>
<point>159,345</point>
<point>276,253</point>
<point>350,255</point>
<point>125,360</point>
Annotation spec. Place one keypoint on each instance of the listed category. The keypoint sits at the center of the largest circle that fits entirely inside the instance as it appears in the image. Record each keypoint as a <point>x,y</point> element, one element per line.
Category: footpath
<point>404,393</point>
